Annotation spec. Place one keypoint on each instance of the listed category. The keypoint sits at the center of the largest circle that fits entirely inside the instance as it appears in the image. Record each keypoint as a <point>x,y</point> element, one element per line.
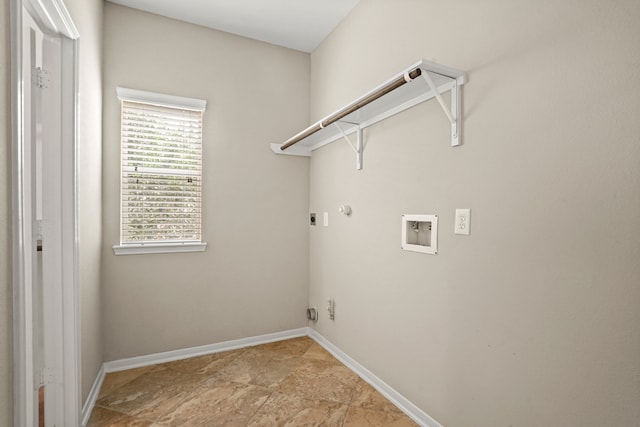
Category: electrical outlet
<point>463,221</point>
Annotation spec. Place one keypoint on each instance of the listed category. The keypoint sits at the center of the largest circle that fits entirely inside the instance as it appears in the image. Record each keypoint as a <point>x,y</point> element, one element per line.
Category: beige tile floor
<point>286,383</point>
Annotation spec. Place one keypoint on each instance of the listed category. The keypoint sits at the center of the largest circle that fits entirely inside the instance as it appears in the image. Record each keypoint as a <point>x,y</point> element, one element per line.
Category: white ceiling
<point>297,24</point>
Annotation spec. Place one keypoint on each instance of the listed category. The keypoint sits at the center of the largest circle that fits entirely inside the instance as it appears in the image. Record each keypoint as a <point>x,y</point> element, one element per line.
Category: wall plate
<point>463,221</point>
<point>420,233</point>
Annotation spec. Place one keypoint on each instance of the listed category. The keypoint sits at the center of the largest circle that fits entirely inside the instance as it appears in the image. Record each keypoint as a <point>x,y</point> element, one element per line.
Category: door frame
<point>54,19</point>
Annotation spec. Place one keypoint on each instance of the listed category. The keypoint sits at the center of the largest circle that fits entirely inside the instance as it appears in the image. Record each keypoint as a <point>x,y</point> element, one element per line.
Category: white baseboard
<point>170,356</point>
<point>185,353</point>
<point>411,410</point>
<point>396,398</point>
<point>93,396</point>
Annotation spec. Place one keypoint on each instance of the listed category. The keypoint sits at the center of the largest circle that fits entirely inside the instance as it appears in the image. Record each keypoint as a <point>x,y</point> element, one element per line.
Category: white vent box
<point>420,233</point>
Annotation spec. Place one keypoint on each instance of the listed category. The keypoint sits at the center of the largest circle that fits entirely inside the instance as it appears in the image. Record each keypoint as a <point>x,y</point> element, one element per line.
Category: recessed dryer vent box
<point>420,233</point>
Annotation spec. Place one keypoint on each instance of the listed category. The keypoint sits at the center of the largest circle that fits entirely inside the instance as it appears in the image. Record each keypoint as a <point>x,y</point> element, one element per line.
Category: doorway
<point>46,350</point>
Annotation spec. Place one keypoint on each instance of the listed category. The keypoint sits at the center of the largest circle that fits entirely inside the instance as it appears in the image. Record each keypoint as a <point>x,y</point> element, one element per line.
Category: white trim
<point>22,369</point>
<point>158,248</point>
<point>53,14</point>
<point>411,410</point>
<point>185,353</point>
<point>63,20</point>
<point>93,396</point>
<point>125,94</point>
<point>71,241</point>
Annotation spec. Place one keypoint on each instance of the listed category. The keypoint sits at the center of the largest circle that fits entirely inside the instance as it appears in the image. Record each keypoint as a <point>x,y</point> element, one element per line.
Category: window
<point>161,178</point>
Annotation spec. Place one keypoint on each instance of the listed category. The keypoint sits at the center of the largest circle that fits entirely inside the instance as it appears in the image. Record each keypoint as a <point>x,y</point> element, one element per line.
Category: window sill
<point>158,248</point>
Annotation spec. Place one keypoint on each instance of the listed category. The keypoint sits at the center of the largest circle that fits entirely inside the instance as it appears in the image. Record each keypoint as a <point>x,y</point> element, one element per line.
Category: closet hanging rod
<point>406,78</point>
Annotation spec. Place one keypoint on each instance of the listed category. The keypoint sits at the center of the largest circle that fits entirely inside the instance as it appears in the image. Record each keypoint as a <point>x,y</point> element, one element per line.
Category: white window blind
<point>161,194</point>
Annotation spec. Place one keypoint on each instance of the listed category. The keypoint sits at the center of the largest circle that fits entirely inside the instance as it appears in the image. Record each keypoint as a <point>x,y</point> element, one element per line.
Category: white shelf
<point>433,81</point>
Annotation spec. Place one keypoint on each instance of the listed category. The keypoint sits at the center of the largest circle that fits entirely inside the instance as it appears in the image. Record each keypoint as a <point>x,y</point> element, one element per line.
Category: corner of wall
<point>88,18</point>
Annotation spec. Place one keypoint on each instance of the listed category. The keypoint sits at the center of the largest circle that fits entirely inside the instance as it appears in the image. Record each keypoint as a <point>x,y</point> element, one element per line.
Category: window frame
<point>151,247</point>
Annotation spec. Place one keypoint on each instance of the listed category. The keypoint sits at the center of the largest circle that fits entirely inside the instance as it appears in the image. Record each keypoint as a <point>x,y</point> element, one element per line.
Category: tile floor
<point>286,383</point>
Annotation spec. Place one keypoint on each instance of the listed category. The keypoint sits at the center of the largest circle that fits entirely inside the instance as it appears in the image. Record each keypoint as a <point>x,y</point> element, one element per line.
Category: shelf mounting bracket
<point>358,147</point>
<point>452,113</point>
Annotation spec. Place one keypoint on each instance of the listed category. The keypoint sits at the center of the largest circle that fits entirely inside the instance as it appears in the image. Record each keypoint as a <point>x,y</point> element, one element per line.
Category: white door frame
<point>53,18</point>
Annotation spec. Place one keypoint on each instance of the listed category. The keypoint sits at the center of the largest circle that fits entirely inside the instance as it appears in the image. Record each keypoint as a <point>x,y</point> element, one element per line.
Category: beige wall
<point>532,319</point>
<point>253,277</point>
<point>87,15</point>
<point>6,376</point>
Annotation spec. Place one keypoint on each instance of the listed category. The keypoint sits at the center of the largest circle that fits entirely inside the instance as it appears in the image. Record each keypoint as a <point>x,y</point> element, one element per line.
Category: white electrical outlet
<point>325,219</point>
<point>463,221</point>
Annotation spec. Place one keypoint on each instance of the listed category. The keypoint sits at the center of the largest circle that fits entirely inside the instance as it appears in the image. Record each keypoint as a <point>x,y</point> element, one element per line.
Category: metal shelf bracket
<point>452,113</point>
<point>358,147</point>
